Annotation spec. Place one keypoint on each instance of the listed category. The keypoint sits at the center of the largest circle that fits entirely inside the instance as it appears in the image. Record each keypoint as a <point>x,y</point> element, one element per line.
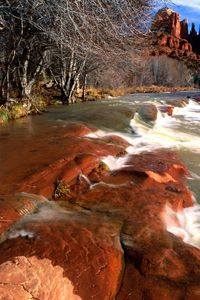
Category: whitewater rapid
<point>168,132</point>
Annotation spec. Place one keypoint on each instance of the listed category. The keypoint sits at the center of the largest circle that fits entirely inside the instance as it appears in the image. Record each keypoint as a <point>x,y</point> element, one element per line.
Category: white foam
<point>96,135</point>
<point>194,176</point>
<point>163,134</point>
<point>184,224</point>
<point>190,112</point>
<point>21,233</point>
<point>115,163</point>
<point>85,178</point>
<point>109,185</point>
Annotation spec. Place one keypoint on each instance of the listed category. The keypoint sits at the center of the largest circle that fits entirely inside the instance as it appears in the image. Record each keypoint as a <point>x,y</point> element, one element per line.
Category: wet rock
<point>114,139</point>
<point>14,207</point>
<point>157,162</point>
<point>71,255</point>
<point>148,112</point>
<point>82,155</point>
<point>105,236</point>
<point>77,130</point>
<point>168,109</point>
<point>173,189</point>
<point>164,274</point>
<point>135,286</point>
<point>178,102</point>
<point>197,99</point>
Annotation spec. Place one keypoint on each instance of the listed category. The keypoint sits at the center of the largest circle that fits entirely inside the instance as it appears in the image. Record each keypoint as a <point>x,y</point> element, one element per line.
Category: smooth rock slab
<point>68,255</point>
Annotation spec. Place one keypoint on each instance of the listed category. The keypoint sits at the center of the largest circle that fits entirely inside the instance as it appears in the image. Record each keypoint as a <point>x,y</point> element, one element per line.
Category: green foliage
<point>3,116</point>
<point>62,189</point>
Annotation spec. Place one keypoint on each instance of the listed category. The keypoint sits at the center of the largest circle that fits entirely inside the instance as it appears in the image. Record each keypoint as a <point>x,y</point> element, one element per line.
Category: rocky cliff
<point>171,37</point>
<point>166,20</point>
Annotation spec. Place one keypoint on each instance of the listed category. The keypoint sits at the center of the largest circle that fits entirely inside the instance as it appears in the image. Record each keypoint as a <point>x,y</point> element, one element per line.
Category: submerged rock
<point>178,102</point>
<point>168,109</point>
<point>148,112</point>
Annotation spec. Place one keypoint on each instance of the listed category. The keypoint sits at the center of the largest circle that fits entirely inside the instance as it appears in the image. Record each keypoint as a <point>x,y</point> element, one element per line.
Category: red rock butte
<point>171,38</point>
<point>168,21</point>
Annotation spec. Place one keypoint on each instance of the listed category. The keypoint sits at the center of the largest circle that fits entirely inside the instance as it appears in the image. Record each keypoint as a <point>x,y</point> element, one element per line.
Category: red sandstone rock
<point>66,259</point>
<point>71,249</point>
<point>170,42</point>
<point>77,129</point>
<point>162,40</point>
<point>167,109</point>
<point>184,45</point>
<point>160,271</point>
<point>166,20</point>
<point>170,37</point>
<point>74,162</point>
<point>14,207</point>
<point>114,139</point>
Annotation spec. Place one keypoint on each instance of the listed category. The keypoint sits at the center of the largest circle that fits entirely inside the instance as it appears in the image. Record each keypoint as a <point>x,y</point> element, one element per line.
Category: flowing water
<point>21,141</point>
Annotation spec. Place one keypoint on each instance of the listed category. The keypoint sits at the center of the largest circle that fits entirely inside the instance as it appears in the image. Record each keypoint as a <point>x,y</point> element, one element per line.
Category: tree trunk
<point>75,81</point>
<point>26,83</point>
<point>5,86</point>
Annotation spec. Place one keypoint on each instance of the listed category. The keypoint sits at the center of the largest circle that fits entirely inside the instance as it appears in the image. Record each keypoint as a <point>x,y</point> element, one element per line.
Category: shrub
<point>18,110</point>
<point>3,117</point>
<point>62,189</point>
<point>38,103</point>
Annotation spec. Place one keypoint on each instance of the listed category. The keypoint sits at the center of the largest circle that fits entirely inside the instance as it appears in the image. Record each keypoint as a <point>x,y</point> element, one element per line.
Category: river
<point>21,140</point>
<point>90,208</point>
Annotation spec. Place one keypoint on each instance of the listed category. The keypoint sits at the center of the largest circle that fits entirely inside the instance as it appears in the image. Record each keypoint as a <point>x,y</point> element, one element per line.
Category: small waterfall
<point>166,132</point>
<point>115,163</point>
<point>190,112</point>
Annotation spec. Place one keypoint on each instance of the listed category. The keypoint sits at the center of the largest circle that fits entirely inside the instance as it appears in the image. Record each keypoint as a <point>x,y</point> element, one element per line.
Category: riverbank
<point>16,109</point>
<point>96,94</point>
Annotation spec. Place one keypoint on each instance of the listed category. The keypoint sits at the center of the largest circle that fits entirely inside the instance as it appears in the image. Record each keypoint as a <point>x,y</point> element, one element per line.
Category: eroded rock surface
<point>102,232</point>
<point>65,255</point>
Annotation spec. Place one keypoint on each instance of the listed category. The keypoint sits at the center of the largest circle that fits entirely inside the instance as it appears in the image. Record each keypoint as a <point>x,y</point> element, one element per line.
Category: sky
<point>189,9</point>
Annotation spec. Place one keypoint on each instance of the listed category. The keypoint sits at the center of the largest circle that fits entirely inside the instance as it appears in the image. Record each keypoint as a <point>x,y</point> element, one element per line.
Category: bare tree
<point>64,36</point>
<point>101,29</point>
<point>22,49</point>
